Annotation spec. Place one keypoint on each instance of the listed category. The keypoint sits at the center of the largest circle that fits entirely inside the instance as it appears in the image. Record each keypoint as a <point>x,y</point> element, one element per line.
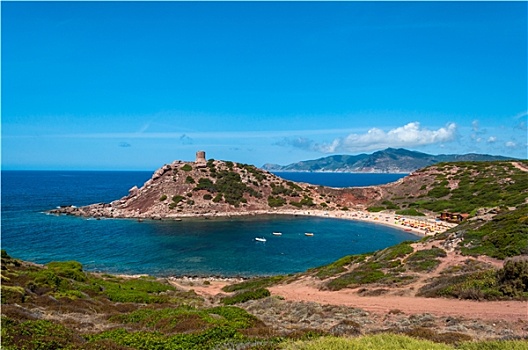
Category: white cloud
<point>492,139</point>
<point>510,144</point>
<point>475,125</point>
<point>409,135</point>
<point>522,121</point>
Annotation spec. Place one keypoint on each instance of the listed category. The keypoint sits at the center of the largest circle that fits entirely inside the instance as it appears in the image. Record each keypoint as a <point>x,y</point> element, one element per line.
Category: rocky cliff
<point>218,188</point>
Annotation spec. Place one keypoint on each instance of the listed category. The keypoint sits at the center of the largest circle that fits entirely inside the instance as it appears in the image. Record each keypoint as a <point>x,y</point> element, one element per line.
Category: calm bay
<point>215,247</point>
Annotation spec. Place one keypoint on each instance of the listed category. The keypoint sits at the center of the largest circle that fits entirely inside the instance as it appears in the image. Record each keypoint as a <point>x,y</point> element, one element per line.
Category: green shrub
<point>163,197</point>
<point>68,269</point>
<point>254,283</point>
<point>481,285</point>
<point>12,294</point>
<point>394,252</point>
<point>425,260</point>
<point>246,295</point>
<point>207,197</point>
<point>187,167</point>
<point>177,199</point>
<point>236,317</point>
<point>135,290</point>
<point>389,205</point>
<point>205,184</point>
<point>363,275</point>
<point>276,201</point>
<point>39,334</point>
<point>409,212</point>
<point>504,236</point>
<point>439,192</point>
<point>189,180</point>
<point>375,209</point>
<point>296,204</point>
<point>513,278</point>
<point>338,266</point>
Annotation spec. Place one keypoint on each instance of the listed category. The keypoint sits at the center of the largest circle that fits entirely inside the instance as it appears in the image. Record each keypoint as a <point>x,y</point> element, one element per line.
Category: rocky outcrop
<point>184,189</point>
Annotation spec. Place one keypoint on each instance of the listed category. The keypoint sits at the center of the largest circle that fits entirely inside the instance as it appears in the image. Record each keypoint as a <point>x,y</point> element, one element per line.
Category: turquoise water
<point>220,247</point>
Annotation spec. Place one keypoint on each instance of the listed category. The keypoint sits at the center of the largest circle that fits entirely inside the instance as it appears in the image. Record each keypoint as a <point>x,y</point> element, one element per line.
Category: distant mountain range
<point>390,160</point>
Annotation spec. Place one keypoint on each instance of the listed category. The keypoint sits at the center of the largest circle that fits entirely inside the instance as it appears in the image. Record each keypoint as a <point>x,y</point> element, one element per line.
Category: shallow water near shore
<point>214,247</point>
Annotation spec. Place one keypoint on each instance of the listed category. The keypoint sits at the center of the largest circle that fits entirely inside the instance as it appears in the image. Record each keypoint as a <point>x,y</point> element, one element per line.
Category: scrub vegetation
<point>460,187</point>
<point>61,306</point>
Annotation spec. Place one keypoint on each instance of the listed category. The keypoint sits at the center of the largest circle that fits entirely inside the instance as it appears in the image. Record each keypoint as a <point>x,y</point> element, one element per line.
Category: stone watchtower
<point>200,158</point>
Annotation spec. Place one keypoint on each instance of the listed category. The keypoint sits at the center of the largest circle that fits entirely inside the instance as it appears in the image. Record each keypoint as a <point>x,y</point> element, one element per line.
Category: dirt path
<point>510,311</point>
<point>489,310</point>
<point>520,166</point>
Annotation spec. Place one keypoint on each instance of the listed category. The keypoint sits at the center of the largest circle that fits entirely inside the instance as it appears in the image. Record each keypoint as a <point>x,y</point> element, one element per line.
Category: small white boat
<point>308,234</point>
<point>260,239</point>
<point>277,233</point>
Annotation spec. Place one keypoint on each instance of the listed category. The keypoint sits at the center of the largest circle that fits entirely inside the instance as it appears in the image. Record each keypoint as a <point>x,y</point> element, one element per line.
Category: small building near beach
<point>453,217</point>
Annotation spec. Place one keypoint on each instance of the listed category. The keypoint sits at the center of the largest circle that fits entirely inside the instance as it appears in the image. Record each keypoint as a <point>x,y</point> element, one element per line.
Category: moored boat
<point>260,239</point>
<point>277,233</point>
<point>308,234</point>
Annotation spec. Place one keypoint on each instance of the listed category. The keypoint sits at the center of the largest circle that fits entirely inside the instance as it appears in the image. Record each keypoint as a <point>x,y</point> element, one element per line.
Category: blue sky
<point>135,85</point>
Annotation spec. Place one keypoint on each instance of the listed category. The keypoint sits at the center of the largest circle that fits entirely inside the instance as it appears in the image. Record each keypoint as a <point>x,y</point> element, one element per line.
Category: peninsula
<point>209,188</point>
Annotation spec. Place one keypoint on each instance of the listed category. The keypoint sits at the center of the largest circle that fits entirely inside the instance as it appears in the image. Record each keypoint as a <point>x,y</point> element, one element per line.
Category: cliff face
<point>214,187</point>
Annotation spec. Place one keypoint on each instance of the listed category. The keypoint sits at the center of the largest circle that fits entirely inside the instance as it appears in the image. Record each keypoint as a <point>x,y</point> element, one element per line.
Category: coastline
<point>419,226</point>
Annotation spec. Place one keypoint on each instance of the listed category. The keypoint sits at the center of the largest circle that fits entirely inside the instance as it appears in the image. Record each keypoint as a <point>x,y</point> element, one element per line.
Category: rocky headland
<point>183,189</point>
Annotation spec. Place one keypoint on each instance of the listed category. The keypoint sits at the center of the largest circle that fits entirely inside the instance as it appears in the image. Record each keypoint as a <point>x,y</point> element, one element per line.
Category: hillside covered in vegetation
<point>484,258</point>
<point>224,187</point>
<point>462,187</point>
<point>60,306</point>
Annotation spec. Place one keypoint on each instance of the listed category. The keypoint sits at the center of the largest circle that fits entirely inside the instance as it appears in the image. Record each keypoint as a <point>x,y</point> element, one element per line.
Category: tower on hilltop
<point>200,157</point>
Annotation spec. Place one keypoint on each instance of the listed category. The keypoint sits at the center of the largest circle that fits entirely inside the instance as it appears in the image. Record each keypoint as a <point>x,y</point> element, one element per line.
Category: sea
<point>223,247</point>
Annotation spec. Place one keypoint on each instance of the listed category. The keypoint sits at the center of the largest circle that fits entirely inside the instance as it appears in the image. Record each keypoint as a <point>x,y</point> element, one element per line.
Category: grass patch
<point>382,267</point>
<point>394,252</point>
<point>379,341</point>
<point>337,266</point>
<point>425,260</point>
<point>386,341</point>
<point>367,273</point>
<point>137,290</point>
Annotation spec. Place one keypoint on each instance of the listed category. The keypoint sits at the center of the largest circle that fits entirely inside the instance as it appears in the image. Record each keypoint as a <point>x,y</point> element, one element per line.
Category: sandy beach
<point>418,225</point>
